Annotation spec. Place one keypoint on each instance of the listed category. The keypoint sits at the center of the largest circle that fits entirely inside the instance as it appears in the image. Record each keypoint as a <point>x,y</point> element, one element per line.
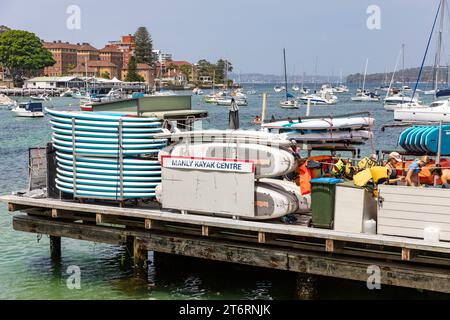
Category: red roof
<point>67,45</point>
<point>110,49</point>
<point>142,66</point>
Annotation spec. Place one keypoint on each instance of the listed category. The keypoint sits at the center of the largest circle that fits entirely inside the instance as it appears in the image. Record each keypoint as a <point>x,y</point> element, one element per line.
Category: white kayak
<point>353,135</point>
<point>272,202</point>
<point>322,124</point>
<point>248,136</point>
<point>304,201</point>
<point>269,162</point>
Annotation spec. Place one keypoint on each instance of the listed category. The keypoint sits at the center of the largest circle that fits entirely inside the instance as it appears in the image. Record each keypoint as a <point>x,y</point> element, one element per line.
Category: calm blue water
<point>27,272</point>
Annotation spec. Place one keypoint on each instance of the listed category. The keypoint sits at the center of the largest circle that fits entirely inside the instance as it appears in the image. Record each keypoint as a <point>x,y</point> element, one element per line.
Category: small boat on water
<point>41,97</point>
<point>321,98</point>
<point>289,104</point>
<point>67,94</point>
<point>227,102</point>
<point>366,96</point>
<point>340,89</point>
<point>400,98</point>
<point>197,91</point>
<point>6,102</point>
<point>437,111</point>
<point>279,88</point>
<point>28,109</point>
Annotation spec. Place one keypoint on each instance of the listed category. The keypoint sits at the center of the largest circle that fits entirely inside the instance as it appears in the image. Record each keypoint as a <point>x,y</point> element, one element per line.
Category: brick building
<point>127,46</point>
<point>72,59</point>
<point>65,55</point>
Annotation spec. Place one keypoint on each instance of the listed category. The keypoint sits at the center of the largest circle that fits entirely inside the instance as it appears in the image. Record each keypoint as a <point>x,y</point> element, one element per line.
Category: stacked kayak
<point>106,155</point>
<point>324,130</point>
<point>425,139</point>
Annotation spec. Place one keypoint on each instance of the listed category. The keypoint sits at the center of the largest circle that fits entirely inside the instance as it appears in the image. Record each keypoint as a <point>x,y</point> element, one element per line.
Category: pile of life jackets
<point>425,175</point>
<point>368,173</point>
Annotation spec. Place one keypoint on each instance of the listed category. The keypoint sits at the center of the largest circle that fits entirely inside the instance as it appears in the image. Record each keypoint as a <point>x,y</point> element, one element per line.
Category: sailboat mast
<point>403,67</point>
<point>365,72</point>
<point>285,74</point>
<point>439,46</point>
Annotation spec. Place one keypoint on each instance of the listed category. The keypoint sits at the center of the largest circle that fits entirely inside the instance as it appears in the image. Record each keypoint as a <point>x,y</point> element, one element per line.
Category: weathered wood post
<point>55,247</point>
<point>306,288</point>
<point>140,257</point>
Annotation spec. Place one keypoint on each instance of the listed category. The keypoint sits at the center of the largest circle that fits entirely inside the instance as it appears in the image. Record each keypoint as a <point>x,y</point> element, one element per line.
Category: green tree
<point>4,29</point>
<point>186,70</point>
<point>22,53</point>
<point>144,46</point>
<point>105,75</point>
<point>132,75</point>
<point>222,67</point>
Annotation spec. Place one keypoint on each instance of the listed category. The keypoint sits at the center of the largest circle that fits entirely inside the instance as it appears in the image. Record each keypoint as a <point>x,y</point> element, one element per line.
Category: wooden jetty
<point>310,252</point>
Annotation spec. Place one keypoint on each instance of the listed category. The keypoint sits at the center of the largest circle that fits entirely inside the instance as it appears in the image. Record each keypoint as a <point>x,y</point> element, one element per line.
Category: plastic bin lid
<point>327,180</point>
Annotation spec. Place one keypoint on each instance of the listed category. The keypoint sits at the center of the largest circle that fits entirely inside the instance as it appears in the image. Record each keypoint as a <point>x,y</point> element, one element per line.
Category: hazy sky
<point>251,33</point>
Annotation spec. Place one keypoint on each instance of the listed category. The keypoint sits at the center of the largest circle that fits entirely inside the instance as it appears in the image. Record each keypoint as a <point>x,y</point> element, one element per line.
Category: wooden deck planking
<point>226,223</point>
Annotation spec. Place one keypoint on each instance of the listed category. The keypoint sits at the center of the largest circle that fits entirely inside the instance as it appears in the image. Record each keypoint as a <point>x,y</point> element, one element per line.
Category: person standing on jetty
<point>391,165</point>
<point>412,176</point>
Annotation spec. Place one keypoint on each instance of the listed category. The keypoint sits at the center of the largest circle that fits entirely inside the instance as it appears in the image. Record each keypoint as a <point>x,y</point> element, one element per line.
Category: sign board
<point>209,164</point>
<point>37,168</point>
<point>209,185</point>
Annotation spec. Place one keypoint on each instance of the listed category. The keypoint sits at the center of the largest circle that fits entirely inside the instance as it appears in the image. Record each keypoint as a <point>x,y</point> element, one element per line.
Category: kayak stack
<point>425,139</point>
<point>348,130</point>
<point>106,155</point>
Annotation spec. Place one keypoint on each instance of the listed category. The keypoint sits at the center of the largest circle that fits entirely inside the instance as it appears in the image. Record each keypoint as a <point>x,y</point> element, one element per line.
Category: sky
<point>250,33</point>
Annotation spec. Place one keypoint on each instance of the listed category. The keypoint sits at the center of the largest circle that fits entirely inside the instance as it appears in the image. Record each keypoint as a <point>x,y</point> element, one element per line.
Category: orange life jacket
<point>304,178</point>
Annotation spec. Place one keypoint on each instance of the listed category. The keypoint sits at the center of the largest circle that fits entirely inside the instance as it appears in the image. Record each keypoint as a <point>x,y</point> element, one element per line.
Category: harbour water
<point>27,271</point>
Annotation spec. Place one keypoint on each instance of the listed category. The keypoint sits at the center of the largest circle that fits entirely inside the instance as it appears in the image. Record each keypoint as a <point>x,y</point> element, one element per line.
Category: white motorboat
<point>437,111</point>
<point>67,94</point>
<point>340,89</point>
<point>289,104</point>
<point>197,91</point>
<point>319,99</point>
<point>304,91</point>
<point>279,88</point>
<point>6,102</point>
<point>227,102</point>
<point>365,97</point>
<point>405,106</point>
<point>295,87</point>
<point>429,92</point>
<point>238,94</point>
<point>28,109</point>
<point>41,97</point>
<point>400,99</point>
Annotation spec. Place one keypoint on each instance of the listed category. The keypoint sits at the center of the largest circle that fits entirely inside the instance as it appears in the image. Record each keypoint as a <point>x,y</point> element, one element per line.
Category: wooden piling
<point>306,288</point>
<point>140,257</point>
<point>55,247</point>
